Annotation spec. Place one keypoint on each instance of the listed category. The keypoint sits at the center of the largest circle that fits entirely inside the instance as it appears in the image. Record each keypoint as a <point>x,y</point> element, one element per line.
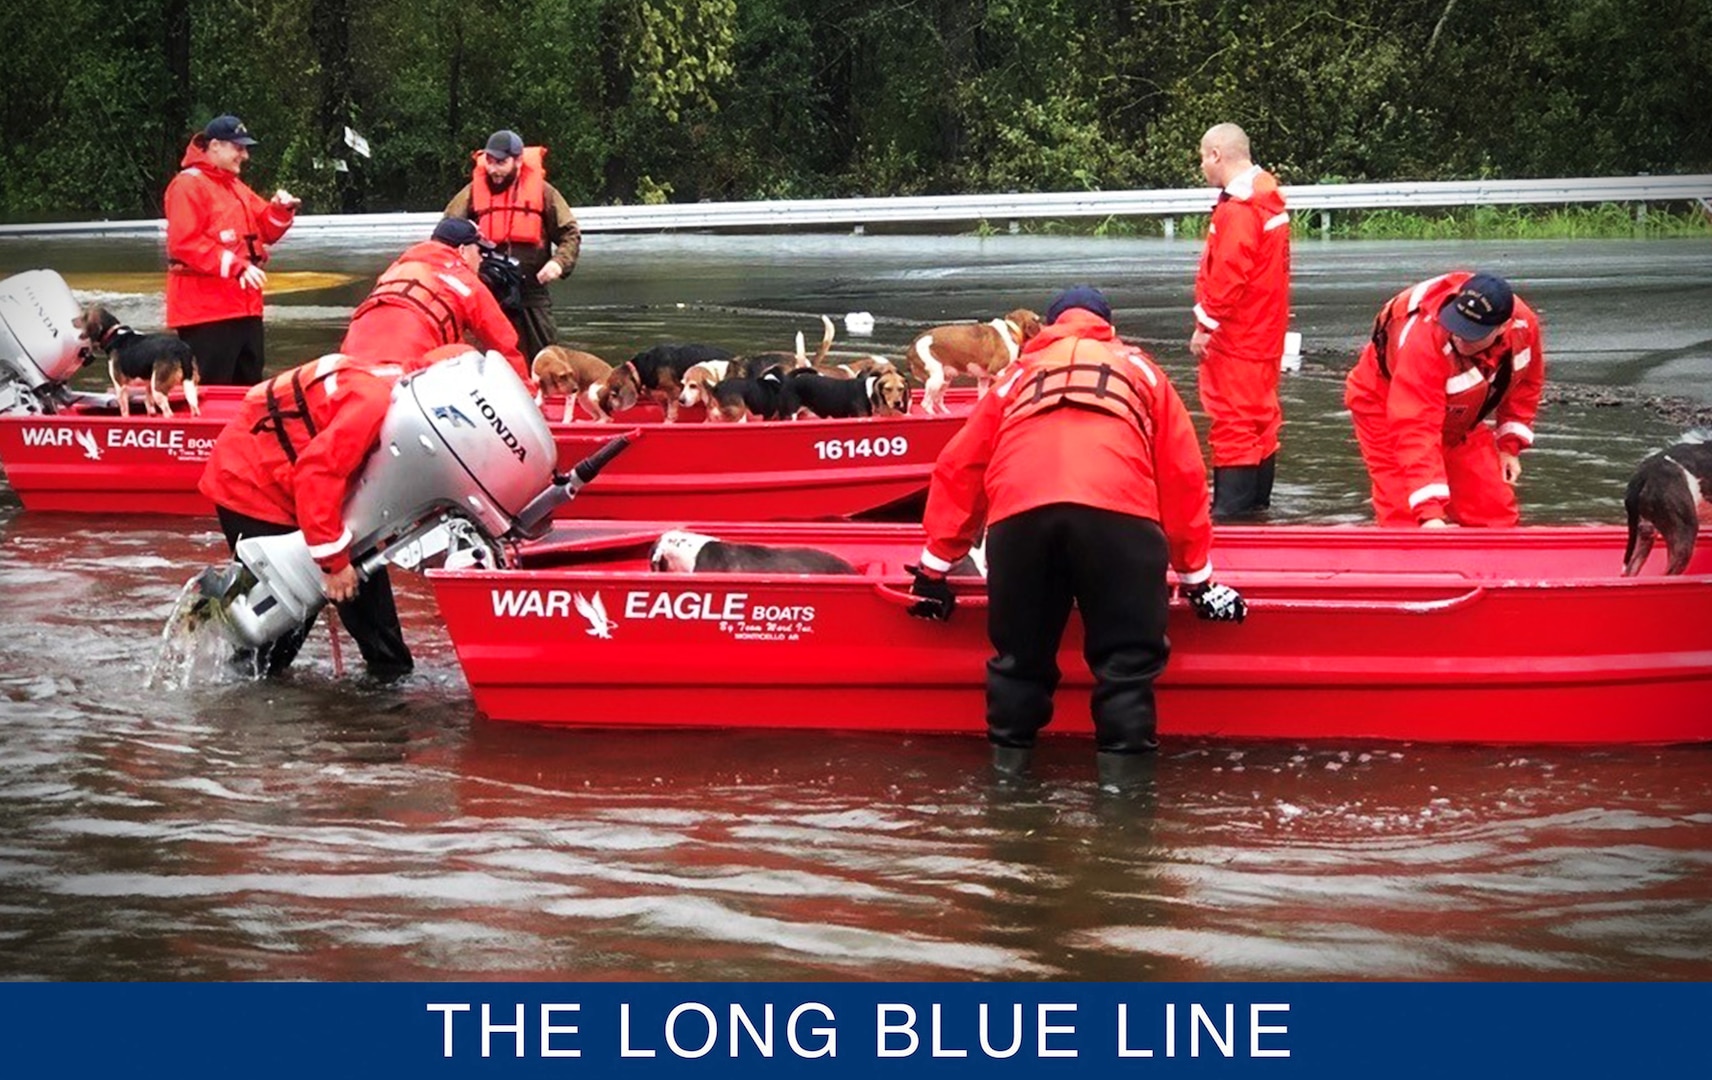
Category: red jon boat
<point>94,461</point>
<point>1517,636</point>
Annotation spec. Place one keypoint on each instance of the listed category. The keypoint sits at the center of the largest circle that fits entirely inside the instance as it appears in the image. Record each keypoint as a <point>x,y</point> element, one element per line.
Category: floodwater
<point>329,828</point>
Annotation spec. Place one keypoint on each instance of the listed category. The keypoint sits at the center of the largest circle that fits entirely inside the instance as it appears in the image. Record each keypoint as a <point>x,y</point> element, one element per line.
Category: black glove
<point>936,600</point>
<point>1220,603</point>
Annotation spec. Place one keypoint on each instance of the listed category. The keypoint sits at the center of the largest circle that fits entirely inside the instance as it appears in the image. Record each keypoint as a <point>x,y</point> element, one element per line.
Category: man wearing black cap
<point>217,237</point>
<point>1085,467</point>
<point>509,198</point>
<point>432,295</point>
<point>1444,356</point>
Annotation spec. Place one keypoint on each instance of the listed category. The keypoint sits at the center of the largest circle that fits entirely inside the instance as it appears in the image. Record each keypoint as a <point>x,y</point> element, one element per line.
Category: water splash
<point>197,645</point>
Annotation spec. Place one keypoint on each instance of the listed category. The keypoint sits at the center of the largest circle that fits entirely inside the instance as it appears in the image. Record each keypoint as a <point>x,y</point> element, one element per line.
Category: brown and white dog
<point>700,380</point>
<point>682,552</point>
<point>164,362</point>
<point>979,349</point>
<point>1668,496</point>
<point>575,374</point>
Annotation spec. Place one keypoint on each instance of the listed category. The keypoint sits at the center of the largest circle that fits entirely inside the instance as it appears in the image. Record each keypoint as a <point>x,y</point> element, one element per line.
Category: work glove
<point>1219,603</point>
<point>935,600</point>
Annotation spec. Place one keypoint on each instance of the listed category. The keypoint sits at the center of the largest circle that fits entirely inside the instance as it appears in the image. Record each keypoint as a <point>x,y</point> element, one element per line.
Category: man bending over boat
<point>1085,466</point>
<point>285,462</point>
<point>1445,355</point>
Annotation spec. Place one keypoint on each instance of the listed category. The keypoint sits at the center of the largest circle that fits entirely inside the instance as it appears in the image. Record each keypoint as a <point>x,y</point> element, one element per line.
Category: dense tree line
<point>680,100</point>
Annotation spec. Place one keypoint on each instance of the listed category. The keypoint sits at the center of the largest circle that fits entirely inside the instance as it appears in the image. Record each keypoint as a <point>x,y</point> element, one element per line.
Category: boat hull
<point>87,462</point>
<point>1446,643</point>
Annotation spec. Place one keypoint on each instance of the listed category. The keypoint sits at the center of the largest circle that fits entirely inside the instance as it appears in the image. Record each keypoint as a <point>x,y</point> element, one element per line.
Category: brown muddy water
<point>328,828</point>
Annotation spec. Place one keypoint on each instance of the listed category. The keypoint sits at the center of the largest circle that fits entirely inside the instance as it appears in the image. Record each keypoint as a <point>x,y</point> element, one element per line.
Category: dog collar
<point>112,333</point>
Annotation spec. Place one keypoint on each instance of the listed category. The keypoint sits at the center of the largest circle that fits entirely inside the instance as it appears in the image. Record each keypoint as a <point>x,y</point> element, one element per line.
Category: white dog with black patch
<point>682,552</point>
<point>1670,495</point>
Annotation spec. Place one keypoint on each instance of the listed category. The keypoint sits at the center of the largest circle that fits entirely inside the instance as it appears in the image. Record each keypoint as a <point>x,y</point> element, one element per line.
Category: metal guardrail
<point>928,209</point>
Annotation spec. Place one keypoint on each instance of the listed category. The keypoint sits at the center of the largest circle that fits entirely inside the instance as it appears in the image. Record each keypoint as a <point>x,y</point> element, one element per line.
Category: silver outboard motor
<point>40,347</point>
<point>465,461</point>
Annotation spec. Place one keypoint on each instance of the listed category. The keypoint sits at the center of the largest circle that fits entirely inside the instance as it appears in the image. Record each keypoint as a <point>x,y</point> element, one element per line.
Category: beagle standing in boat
<point>164,361</point>
<point>830,397</point>
<point>979,349</point>
<point>1668,496</point>
<point>682,552</point>
<point>771,395</point>
<point>574,374</point>
<point>658,371</point>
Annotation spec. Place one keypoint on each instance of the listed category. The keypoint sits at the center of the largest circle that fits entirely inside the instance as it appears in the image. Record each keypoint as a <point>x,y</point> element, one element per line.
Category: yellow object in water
<point>154,281</point>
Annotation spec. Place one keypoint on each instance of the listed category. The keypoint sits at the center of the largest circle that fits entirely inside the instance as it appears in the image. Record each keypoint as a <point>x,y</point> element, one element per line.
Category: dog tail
<point>802,351</point>
<point>825,342</point>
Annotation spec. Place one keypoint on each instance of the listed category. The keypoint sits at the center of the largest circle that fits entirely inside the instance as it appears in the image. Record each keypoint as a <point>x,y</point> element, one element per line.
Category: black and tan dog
<point>657,372</point>
<point>1668,496</point>
<point>874,394</point>
<point>163,361</point>
<point>767,396</point>
<point>682,552</point>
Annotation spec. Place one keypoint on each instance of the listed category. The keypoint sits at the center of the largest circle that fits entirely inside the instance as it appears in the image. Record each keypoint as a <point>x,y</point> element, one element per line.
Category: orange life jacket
<point>1082,374</point>
<point>414,285</point>
<point>516,215</point>
<point>290,417</point>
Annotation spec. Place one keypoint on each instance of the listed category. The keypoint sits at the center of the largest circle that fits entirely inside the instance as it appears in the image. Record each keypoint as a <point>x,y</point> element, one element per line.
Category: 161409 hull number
<point>883,446</point>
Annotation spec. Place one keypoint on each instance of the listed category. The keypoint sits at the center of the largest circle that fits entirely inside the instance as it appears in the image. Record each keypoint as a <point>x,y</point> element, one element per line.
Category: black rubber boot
<point>1263,488</point>
<point>1011,762</point>
<point>1236,493</point>
<point>1123,772</point>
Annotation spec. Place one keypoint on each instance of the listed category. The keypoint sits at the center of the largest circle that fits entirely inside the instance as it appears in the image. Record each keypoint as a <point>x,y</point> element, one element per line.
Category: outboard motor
<point>40,347</point>
<point>465,461</point>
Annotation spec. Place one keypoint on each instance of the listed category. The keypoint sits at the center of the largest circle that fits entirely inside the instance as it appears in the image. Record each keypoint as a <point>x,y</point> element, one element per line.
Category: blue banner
<point>755,1030</point>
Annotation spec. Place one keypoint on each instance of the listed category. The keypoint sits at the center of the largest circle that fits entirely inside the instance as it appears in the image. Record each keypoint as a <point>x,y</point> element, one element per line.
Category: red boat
<point>1495,636</point>
<point>96,461</point>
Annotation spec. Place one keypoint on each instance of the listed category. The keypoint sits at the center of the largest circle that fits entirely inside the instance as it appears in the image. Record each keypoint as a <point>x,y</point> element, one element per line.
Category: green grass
<point>1605,221</point>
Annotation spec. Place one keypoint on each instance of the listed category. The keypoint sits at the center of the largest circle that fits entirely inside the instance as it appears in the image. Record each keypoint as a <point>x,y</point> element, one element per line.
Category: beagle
<point>679,551</point>
<point>1670,495</point>
<point>164,361</point>
<point>979,349</point>
<point>574,374</point>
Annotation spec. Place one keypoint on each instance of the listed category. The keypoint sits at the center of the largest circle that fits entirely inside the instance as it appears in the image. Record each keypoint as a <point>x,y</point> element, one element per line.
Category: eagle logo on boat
<point>86,439</point>
<point>595,612</point>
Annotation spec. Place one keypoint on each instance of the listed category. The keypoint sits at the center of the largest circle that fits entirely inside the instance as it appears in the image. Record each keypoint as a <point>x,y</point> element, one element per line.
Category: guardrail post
<point>1015,226</point>
<point>1170,228</point>
<point>859,230</point>
<point>1640,213</point>
<point>1325,224</point>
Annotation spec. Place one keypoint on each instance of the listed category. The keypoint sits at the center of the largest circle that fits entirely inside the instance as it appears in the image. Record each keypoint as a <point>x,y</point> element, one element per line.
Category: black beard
<point>502,184</point>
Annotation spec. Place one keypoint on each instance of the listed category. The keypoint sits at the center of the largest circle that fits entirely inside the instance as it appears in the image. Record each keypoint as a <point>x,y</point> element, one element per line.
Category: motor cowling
<point>39,340</point>
<point>464,434</point>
